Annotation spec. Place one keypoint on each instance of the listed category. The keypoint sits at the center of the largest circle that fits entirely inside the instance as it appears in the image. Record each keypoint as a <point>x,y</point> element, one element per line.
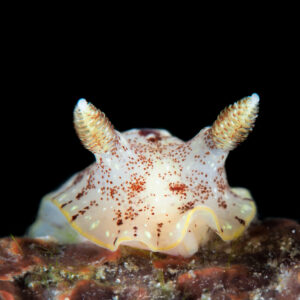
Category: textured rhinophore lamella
<point>148,189</point>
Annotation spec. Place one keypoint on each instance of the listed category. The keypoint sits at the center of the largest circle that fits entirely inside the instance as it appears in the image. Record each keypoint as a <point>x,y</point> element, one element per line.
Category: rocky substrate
<point>263,264</point>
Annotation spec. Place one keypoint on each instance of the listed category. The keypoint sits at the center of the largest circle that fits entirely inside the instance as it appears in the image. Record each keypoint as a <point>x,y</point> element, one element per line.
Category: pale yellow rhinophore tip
<point>235,122</point>
<point>93,128</point>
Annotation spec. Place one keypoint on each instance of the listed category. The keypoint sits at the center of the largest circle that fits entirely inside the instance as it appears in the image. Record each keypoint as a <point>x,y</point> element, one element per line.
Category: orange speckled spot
<point>81,283</point>
<point>6,295</point>
<point>63,297</point>
<point>208,272</point>
<point>212,274</point>
<point>113,256</point>
<point>5,278</point>
<point>37,260</point>
<point>85,270</point>
<point>15,247</point>
<point>240,296</point>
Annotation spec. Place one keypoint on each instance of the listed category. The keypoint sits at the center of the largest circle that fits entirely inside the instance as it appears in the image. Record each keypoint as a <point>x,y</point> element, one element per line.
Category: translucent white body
<point>153,191</point>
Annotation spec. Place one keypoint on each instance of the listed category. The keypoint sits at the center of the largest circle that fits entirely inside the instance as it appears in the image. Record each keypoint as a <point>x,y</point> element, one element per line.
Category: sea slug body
<point>150,190</point>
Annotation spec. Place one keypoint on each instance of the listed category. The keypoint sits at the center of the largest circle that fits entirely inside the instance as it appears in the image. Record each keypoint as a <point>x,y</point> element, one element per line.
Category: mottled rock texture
<point>263,264</point>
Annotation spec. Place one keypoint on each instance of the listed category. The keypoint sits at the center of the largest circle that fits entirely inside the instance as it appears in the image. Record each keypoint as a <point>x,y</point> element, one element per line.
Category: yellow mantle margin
<point>111,247</point>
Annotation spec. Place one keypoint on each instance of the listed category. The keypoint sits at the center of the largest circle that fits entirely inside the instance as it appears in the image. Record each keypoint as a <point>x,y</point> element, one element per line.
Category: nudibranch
<point>150,190</point>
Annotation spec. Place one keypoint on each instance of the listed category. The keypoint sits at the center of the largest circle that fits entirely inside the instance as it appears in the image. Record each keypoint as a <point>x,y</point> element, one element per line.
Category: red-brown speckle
<point>241,221</point>
<point>179,188</point>
<point>74,217</point>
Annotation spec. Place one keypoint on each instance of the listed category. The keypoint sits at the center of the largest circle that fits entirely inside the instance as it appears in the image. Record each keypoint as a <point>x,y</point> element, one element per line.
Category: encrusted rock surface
<point>263,264</point>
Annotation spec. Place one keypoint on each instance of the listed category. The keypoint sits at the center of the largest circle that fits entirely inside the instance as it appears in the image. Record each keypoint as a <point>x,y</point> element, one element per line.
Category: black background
<point>41,149</point>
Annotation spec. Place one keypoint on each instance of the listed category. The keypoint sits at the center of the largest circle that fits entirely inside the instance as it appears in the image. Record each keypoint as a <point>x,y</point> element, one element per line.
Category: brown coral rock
<point>263,264</point>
